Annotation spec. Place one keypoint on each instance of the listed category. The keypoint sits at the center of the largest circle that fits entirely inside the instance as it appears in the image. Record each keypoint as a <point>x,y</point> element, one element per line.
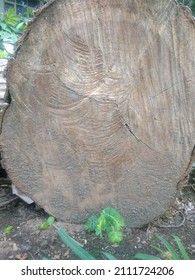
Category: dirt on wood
<point>27,241</point>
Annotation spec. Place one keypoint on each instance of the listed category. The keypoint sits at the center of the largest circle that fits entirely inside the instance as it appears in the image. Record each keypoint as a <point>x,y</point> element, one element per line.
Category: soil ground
<point>27,242</point>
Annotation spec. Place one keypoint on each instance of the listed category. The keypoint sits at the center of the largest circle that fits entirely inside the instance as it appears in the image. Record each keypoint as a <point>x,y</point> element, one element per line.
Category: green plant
<point>109,222</point>
<point>170,254</point>
<point>50,221</point>
<point>77,249</point>
<point>11,28</point>
<point>3,54</point>
<point>142,256</point>
<point>8,229</point>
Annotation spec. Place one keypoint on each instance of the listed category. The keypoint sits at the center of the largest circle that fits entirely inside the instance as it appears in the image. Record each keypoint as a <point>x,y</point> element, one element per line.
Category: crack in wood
<point>130,130</point>
<point>138,139</point>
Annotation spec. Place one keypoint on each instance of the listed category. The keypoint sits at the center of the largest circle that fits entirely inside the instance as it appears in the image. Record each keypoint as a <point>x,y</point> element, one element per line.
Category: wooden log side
<point>102,108</point>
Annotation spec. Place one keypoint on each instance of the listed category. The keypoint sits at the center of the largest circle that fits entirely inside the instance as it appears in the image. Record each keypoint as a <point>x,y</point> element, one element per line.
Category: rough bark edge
<point>187,10</point>
<point>7,96</point>
<point>185,177</point>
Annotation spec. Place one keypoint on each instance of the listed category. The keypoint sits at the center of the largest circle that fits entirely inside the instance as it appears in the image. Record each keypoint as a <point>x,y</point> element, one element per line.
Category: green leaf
<point>29,11</point>
<point>21,26</point>
<point>3,54</point>
<point>44,226</point>
<point>115,236</point>
<point>8,229</point>
<point>102,224</point>
<point>12,37</point>
<point>91,224</point>
<point>109,221</point>
<point>181,248</point>
<point>109,256</point>
<point>169,247</point>
<point>12,27</point>
<point>158,249</point>
<point>5,35</point>
<point>103,219</point>
<point>165,254</point>
<point>3,25</point>
<point>79,251</point>
<point>11,19</point>
<point>11,12</point>
<point>50,221</point>
<point>142,256</point>
<point>98,230</point>
<point>114,218</point>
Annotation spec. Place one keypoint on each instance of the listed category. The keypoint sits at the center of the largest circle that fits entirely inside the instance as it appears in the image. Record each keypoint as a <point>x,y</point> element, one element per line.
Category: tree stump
<point>102,108</point>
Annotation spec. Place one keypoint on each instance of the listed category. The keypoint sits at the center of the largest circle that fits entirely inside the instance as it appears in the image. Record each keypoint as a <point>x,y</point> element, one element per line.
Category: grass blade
<point>169,247</point>
<point>181,248</point>
<point>79,251</point>
<point>158,249</point>
<point>142,256</point>
<point>109,256</point>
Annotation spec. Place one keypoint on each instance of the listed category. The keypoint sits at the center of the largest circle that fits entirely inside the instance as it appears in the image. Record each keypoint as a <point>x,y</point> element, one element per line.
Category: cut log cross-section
<point>102,108</point>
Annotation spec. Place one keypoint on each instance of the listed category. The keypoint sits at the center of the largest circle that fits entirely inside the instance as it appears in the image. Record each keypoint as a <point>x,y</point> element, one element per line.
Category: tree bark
<point>102,108</point>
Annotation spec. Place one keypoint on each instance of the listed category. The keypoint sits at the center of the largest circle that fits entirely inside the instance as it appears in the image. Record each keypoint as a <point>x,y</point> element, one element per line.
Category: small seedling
<point>91,223</point>
<point>50,221</point>
<point>8,229</point>
<point>168,214</point>
<point>110,222</point>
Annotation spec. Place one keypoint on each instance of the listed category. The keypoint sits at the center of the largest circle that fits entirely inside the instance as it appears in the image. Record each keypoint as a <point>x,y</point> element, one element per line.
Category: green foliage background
<point>190,3</point>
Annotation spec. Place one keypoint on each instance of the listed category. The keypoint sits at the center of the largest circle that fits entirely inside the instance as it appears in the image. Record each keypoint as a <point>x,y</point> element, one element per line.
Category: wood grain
<point>102,108</point>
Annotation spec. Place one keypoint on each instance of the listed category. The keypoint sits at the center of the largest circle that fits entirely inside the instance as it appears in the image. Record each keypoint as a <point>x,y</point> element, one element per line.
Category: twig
<point>5,181</point>
<point>8,202</point>
<point>173,226</point>
<point>55,227</point>
<point>190,186</point>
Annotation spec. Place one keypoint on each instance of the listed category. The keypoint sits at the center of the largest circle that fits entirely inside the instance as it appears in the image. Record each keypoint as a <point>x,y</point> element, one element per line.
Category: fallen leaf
<point>66,254</point>
<point>14,247</point>
<point>22,256</point>
<point>56,257</point>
